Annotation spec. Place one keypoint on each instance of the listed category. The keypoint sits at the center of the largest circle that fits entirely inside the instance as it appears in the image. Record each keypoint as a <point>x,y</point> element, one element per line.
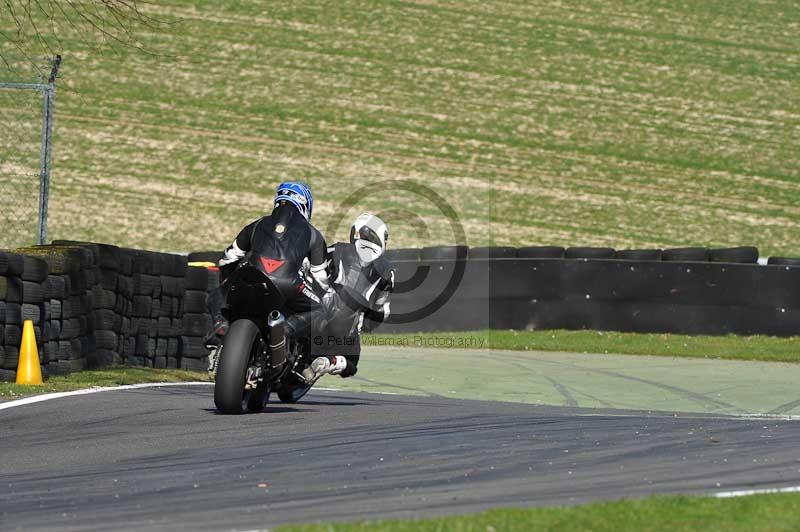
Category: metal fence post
<point>49,95</point>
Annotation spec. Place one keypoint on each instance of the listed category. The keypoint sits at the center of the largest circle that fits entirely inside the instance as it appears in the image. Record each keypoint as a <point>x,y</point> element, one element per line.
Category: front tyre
<point>257,399</point>
<point>237,353</point>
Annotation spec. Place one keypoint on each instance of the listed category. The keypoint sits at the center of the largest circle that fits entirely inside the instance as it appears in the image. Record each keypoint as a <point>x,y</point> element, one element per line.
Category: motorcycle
<point>256,357</point>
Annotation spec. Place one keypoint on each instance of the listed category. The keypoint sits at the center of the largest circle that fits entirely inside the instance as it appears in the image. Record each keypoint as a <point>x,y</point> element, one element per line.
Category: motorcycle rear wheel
<point>240,347</point>
<point>292,394</point>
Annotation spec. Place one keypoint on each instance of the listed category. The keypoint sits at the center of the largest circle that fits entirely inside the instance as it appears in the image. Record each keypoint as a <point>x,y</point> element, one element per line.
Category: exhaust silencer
<point>277,338</point>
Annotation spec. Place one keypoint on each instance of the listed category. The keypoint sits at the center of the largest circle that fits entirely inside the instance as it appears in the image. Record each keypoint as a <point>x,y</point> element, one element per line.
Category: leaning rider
<point>287,237</point>
<point>361,279</point>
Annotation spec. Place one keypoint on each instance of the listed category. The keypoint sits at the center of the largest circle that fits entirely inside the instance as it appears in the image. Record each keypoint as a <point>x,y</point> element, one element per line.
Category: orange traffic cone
<point>28,369</point>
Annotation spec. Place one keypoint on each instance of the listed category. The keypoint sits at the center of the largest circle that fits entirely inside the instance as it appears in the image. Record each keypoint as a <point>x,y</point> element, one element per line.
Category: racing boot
<point>213,341</point>
<point>213,362</point>
<point>217,333</point>
<point>332,365</point>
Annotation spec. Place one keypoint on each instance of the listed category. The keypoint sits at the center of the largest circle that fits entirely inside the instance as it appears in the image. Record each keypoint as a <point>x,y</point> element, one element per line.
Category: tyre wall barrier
<point>679,290</point>
<point>96,305</point>
<point>602,294</point>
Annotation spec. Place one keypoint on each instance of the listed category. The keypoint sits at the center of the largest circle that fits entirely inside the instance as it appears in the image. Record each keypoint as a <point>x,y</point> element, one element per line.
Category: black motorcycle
<point>256,357</point>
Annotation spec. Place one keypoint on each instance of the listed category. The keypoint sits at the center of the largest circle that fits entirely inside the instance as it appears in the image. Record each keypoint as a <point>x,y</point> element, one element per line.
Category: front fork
<point>260,369</point>
<point>268,362</point>
<point>213,362</point>
<point>254,372</point>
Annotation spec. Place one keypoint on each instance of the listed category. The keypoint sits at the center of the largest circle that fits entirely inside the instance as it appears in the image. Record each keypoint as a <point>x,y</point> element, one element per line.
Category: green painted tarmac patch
<point>581,380</point>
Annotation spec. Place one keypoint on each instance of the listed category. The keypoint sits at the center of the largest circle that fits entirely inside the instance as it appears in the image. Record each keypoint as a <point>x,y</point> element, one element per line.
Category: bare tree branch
<point>17,21</point>
<point>31,27</point>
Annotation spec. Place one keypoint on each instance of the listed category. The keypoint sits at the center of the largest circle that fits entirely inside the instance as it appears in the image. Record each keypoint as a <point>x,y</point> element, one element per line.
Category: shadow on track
<point>267,410</point>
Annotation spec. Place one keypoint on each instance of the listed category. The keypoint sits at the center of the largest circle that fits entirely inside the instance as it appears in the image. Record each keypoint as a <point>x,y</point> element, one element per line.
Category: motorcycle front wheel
<point>238,352</point>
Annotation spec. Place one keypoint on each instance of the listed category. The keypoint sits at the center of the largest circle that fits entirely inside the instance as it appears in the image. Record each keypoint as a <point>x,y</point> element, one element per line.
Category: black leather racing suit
<point>286,237</point>
<point>359,288</point>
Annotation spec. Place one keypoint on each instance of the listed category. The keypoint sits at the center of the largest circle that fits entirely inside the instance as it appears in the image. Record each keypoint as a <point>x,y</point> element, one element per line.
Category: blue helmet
<point>298,194</point>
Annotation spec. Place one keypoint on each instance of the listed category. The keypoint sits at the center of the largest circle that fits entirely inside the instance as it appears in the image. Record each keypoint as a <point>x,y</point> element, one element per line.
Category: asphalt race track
<point>162,458</point>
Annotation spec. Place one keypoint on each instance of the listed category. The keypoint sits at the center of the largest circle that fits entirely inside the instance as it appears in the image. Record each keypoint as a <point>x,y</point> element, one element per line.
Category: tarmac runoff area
<point>161,458</point>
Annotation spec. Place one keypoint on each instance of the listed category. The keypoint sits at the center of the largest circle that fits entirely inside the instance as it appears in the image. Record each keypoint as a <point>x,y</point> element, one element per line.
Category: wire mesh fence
<point>20,141</point>
<point>26,112</point>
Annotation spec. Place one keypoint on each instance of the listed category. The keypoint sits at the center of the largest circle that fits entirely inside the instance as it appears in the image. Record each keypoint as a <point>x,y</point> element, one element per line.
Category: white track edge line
<point>766,417</point>
<point>58,395</point>
<point>746,493</point>
<point>86,391</point>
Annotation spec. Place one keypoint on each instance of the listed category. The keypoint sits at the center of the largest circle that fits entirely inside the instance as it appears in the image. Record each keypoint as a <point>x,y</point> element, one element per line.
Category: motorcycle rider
<point>361,280</point>
<point>284,239</point>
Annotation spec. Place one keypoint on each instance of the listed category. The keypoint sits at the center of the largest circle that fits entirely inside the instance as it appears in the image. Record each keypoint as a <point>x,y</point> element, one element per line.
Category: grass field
<point>772,513</point>
<point>602,123</point>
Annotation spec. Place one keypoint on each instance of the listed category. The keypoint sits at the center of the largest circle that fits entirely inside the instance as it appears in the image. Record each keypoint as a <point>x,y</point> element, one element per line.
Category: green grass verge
<point>766,348</point>
<point>103,377</point>
<point>772,513</point>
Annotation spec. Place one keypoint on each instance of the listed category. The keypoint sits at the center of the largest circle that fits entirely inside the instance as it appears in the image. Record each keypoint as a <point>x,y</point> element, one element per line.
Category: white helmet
<point>369,234</point>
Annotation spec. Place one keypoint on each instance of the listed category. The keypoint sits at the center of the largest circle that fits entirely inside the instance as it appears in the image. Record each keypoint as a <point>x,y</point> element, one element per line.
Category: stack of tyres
<point>170,311</point>
<point>61,306</point>
<point>156,341</point>
<point>94,305</point>
<point>156,308</point>
<point>145,287</point>
<point>63,349</point>
<point>72,276</point>
<point>99,339</point>
<point>147,305</point>
<point>196,323</point>
<point>36,304</point>
<point>123,305</point>
<point>11,268</point>
<point>88,310</point>
<point>26,298</point>
<point>5,374</point>
<point>107,309</point>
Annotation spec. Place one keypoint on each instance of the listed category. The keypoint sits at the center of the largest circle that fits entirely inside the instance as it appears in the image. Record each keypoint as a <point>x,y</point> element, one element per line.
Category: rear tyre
<point>292,394</point>
<point>240,345</point>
